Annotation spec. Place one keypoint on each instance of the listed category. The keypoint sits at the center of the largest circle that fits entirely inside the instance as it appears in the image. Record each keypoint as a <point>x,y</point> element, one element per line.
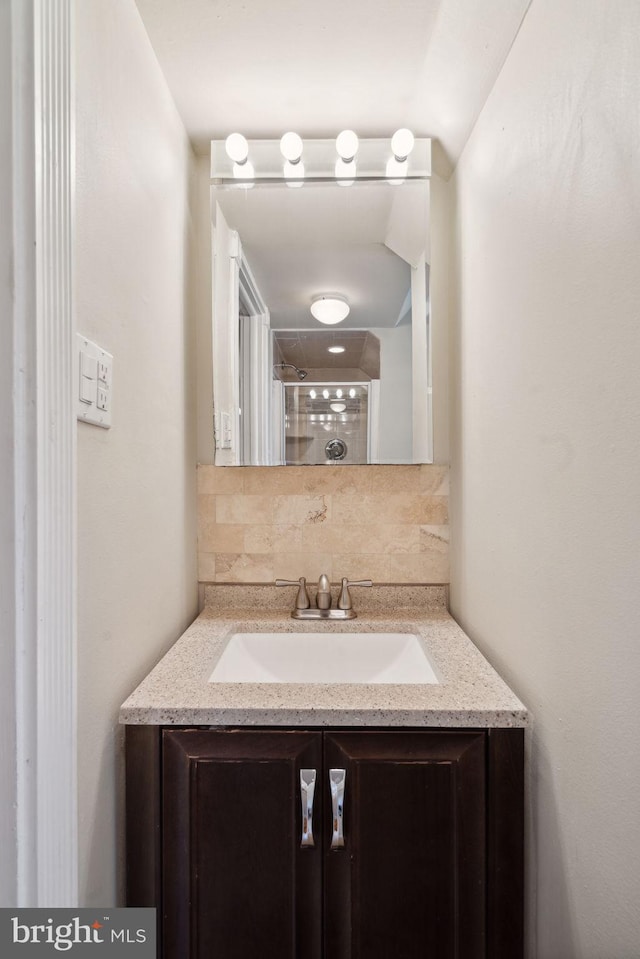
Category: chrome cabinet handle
<point>336,783</point>
<point>307,790</point>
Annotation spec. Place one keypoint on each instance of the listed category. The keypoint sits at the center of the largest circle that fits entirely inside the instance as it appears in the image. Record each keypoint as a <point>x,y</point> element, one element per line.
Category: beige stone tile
<point>394,479</point>
<point>272,539</point>
<point>434,480</point>
<point>390,509</point>
<point>205,478</point>
<point>206,510</point>
<point>245,509</point>
<point>336,479</point>
<point>302,509</point>
<point>434,539</point>
<point>361,566</point>
<point>418,568</point>
<point>221,537</point>
<point>220,479</point>
<point>243,568</point>
<point>397,538</point>
<point>311,566</point>
<point>362,538</point>
<point>273,480</point>
<point>206,567</point>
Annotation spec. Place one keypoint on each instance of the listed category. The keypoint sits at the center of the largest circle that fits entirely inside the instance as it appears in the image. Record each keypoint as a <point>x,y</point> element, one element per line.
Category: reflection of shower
<point>300,373</point>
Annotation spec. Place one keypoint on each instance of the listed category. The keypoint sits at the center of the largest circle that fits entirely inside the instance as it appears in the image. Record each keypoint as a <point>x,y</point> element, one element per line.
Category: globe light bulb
<point>243,171</point>
<point>237,148</point>
<point>291,147</point>
<point>345,172</point>
<point>293,171</point>
<point>347,145</point>
<point>396,170</point>
<point>402,144</point>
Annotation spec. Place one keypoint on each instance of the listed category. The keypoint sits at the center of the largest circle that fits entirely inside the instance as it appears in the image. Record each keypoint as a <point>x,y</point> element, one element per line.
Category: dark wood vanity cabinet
<point>426,861</point>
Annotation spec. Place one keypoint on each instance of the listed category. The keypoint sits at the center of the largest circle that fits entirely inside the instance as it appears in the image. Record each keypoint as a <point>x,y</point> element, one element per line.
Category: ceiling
<point>372,65</point>
<point>308,351</point>
<point>325,238</point>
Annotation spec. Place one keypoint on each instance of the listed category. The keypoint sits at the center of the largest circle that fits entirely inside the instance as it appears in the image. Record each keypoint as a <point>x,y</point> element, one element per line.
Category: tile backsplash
<point>385,523</point>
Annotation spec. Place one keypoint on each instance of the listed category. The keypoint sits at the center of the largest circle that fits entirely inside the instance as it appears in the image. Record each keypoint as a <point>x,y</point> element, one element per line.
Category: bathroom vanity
<point>371,820</point>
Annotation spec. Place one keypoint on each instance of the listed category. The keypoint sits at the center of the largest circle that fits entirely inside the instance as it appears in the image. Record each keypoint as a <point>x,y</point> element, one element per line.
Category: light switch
<point>87,390</point>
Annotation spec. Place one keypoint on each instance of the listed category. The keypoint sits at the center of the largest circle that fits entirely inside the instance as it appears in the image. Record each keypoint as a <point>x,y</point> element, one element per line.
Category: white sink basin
<point>323,658</point>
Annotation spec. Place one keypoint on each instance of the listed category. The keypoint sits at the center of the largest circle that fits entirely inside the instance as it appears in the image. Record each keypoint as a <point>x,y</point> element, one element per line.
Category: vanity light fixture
<point>402,143</point>
<point>330,308</point>
<point>237,148</point>
<point>291,147</point>
<point>344,159</point>
<point>352,392</point>
<point>345,171</point>
<point>335,349</point>
<point>396,170</point>
<point>347,145</point>
<point>339,394</point>
<point>243,171</point>
<point>325,393</point>
<point>312,394</point>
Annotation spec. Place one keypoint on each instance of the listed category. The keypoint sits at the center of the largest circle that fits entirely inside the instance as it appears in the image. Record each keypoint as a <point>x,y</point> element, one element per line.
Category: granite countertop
<point>177,691</point>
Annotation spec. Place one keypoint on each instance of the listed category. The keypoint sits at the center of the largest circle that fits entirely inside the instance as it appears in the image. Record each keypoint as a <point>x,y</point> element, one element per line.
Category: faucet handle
<point>302,599</point>
<point>344,600</point>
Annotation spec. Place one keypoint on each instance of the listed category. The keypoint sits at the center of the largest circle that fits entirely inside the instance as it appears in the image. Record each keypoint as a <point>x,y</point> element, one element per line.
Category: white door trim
<point>45,450</point>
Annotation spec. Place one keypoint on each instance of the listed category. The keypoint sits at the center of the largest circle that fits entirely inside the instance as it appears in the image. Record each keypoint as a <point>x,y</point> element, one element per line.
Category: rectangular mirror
<point>288,389</point>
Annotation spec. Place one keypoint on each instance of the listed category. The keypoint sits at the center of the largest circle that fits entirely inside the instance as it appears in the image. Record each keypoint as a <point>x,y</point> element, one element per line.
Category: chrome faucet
<point>322,610</point>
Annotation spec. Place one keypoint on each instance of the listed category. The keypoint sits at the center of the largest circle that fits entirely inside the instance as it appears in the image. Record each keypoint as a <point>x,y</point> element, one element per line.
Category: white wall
<point>136,512</point>
<point>8,862</point>
<point>545,502</point>
<point>396,423</point>
<point>203,305</point>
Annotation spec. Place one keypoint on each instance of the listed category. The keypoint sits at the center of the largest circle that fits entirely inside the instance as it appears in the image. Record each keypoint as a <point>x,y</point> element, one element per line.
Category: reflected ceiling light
<point>347,145</point>
<point>291,147</point>
<point>335,349</point>
<point>237,148</point>
<point>338,407</point>
<point>325,393</point>
<point>330,308</point>
<point>402,144</point>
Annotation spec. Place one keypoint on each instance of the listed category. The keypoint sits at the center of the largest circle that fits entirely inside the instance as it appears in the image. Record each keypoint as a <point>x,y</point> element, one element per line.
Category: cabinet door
<point>410,879</point>
<point>237,883</point>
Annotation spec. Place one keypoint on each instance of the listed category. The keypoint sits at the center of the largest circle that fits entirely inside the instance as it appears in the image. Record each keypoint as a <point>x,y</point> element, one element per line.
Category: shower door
<point>327,423</point>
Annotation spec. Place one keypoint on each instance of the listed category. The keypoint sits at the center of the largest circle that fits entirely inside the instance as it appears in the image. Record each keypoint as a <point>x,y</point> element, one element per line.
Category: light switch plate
<point>94,383</point>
